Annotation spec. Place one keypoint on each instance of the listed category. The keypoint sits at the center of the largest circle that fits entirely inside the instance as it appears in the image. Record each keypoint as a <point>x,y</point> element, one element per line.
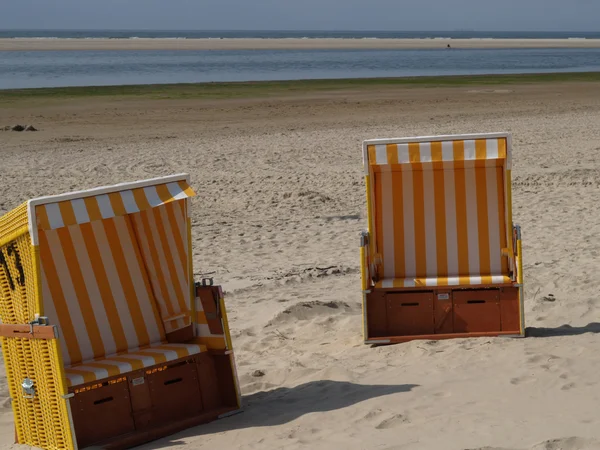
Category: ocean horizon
<point>290,34</point>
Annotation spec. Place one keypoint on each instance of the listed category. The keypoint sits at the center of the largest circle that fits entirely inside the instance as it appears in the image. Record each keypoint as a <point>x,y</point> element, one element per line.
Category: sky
<point>385,15</point>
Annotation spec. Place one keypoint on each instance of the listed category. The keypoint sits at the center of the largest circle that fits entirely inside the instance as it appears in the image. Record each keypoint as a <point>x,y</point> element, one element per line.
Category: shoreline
<point>104,44</point>
<point>257,89</point>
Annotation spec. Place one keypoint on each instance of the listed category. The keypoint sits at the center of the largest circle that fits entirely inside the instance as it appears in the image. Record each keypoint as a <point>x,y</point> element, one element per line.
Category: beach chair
<point>107,339</point>
<point>441,257</point>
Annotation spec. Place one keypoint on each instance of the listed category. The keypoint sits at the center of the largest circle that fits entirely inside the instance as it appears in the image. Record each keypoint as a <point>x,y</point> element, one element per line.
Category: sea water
<point>29,69</point>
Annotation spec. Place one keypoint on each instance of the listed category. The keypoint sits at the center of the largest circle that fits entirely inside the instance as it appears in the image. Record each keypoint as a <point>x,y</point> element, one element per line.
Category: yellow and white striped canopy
<point>53,215</point>
<point>434,153</point>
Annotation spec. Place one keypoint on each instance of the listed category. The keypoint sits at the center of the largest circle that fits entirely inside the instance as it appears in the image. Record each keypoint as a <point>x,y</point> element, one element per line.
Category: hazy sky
<point>504,15</point>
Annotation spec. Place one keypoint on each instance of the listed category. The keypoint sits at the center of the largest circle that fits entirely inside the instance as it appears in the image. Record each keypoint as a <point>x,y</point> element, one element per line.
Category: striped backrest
<point>115,265</point>
<point>439,207</point>
<point>96,289</point>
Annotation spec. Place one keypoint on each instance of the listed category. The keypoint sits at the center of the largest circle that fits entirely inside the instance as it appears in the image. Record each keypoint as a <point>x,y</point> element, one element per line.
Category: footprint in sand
<point>523,380</point>
<point>394,421</point>
<point>372,414</point>
<point>442,394</point>
<point>574,442</point>
<point>6,404</point>
<point>535,359</point>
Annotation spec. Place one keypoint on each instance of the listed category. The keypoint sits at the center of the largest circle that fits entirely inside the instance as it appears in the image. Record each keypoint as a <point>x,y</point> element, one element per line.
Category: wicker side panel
<point>44,420</point>
<point>19,300</point>
<point>12,223</point>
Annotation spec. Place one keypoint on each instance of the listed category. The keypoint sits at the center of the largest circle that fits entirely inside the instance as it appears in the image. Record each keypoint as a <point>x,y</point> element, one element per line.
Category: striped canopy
<point>85,209</point>
<point>483,150</point>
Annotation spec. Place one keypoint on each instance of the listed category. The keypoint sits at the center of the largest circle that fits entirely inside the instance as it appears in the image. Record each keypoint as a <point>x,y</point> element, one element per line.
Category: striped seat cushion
<point>128,362</point>
<point>442,281</point>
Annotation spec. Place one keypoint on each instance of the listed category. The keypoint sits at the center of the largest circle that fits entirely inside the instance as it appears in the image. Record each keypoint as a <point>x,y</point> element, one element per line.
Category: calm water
<point>188,34</point>
<point>94,68</point>
<point>63,68</point>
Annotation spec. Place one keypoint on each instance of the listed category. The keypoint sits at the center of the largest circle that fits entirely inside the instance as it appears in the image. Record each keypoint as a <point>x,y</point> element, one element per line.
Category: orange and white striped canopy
<point>437,152</point>
<point>440,210</point>
<point>58,214</point>
<point>115,265</point>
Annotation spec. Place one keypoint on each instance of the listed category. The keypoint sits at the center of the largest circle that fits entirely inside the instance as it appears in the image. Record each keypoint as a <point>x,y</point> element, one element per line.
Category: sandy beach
<point>26,44</point>
<point>280,205</point>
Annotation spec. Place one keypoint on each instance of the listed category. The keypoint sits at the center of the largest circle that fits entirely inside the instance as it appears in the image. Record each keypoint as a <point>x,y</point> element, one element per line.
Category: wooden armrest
<point>27,331</point>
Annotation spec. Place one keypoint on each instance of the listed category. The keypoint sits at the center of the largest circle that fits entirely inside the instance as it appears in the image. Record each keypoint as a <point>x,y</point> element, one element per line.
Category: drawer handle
<point>104,400</point>
<point>174,381</point>
<point>475,302</point>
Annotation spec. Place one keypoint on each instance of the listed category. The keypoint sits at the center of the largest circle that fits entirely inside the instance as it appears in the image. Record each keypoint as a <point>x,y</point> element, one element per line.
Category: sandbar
<point>29,44</point>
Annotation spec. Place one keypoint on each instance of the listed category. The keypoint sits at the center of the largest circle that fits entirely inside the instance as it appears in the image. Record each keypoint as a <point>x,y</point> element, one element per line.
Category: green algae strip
<point>261,89</point>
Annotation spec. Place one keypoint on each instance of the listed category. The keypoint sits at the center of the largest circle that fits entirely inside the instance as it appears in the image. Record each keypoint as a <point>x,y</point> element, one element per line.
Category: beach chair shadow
<point>283,405</point>
<point>563,330</point>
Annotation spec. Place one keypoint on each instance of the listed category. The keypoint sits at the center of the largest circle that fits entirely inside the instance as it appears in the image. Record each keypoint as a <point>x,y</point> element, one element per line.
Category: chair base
<point>141,406</point>
<point>438,337</point>
<point>402,315</point>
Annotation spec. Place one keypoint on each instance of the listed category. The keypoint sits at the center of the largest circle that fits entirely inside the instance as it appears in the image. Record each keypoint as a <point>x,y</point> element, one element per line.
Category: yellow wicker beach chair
<point>441,258</point>
<point>107,339</point>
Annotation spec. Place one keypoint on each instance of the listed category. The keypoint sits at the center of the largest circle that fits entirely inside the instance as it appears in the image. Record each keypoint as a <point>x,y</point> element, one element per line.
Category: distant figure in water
<point>449,46</point>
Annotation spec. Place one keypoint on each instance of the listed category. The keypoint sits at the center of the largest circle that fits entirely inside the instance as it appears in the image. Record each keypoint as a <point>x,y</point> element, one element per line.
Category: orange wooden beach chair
<point>441,257</point>
<point>108,341</point>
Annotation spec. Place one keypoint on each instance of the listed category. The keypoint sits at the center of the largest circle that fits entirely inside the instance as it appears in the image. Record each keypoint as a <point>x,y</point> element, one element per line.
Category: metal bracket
<point>364,238</point>
<point>28,388</point>
<point>40,321</point>
<point>43,320</point>
<point>207,281</point>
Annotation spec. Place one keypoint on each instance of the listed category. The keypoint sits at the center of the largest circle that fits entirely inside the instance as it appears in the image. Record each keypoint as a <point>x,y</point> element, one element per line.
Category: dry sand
<point>285,44</point>
<point>279,208</point>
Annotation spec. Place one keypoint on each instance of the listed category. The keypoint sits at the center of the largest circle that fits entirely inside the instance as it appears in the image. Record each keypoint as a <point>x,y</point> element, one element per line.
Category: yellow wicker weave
<point>42,421</point>
<point>13,223</point>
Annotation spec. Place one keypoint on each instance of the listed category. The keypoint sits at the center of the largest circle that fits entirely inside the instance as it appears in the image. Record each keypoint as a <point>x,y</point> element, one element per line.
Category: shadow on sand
<point>283,405</point>
<point>563,330</point>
